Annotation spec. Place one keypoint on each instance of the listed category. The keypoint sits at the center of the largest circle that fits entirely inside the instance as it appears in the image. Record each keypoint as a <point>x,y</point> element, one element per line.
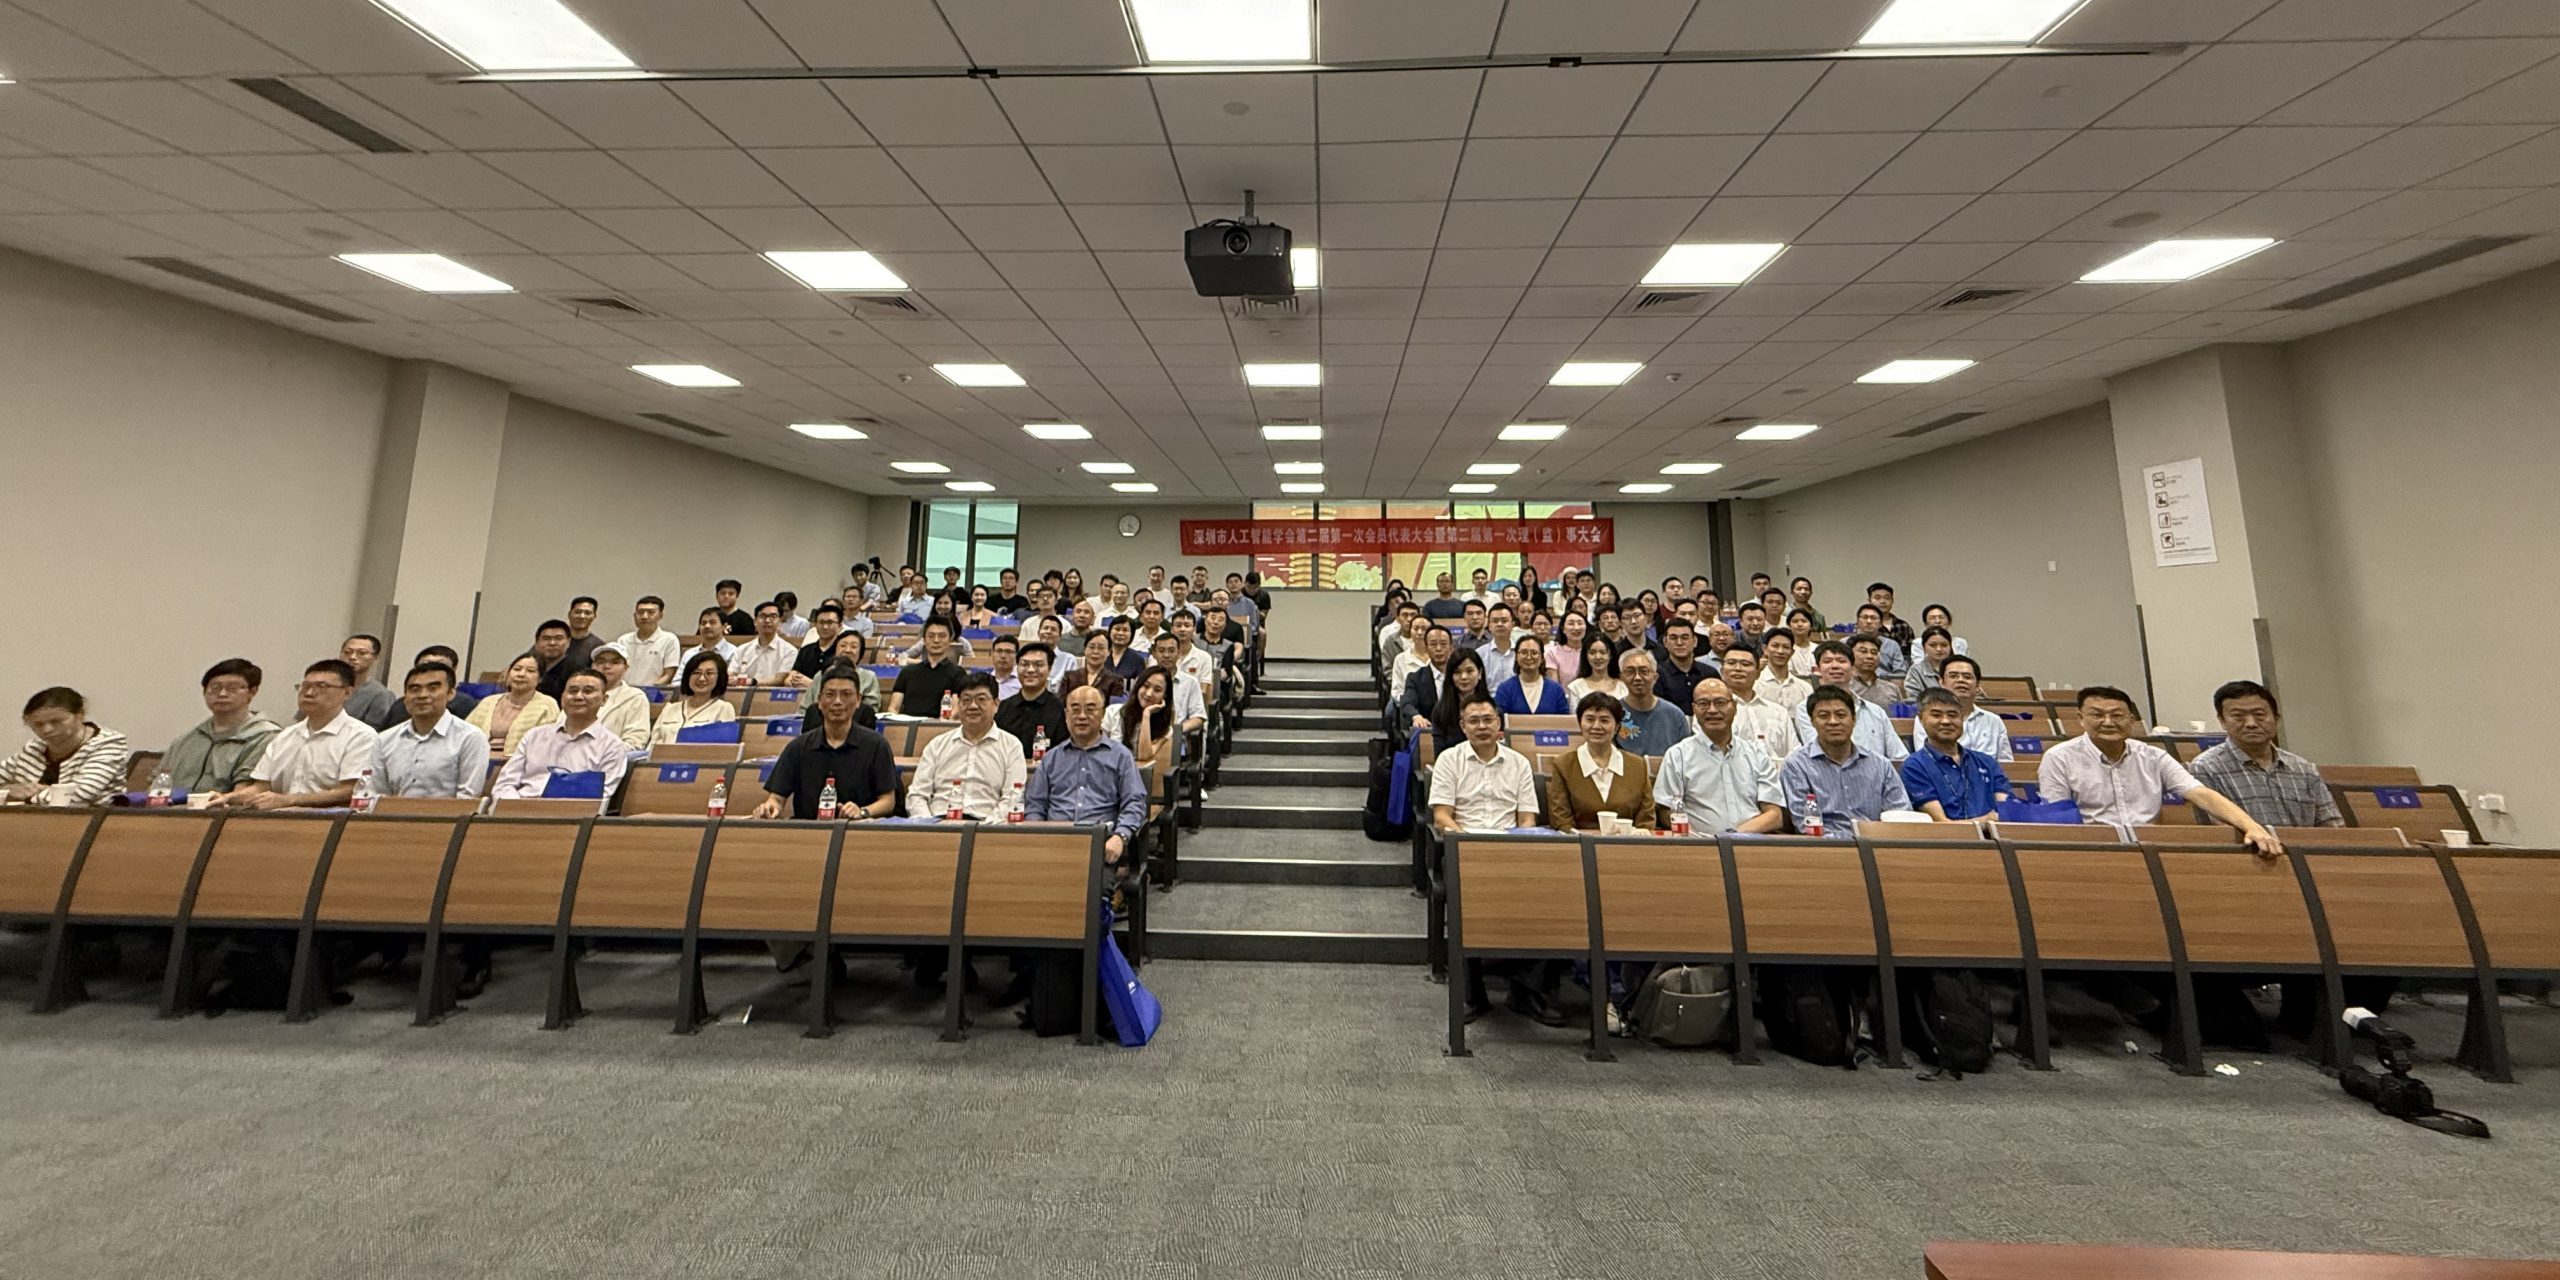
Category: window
<point>1370,571</point>
<point>977,538</point>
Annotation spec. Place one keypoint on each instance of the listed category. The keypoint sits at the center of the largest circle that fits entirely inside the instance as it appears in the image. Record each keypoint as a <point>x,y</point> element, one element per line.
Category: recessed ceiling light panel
<point>1284,375</point>
<point>829,431</point>
<point>1492,468</point>
<point>1298,468</point>
<point>1109,468</point>
<point>968,486</point>
<point>1056,431</point>
<point>979,375</point>
<point>1224,30</point>
<point>1907,22</point>
<point>1915,370</point>
<point>1692,468</point>
<point>921,468</point>
<point>1134,486</point>
<point>1292,431</point>
<point>1303,486</point>
<point>1649,486</point>
<point>2167,261</point>
<point>1594,373</point>
<point>1467,487</point>
<point>427,272</point>
<point>837,269</point>
<point>1779,431</point>
<point>685,375</point>
<point>1306,269</point>
<point>1711,264</point>
<point>1532,431</point>
<point>510,35</point>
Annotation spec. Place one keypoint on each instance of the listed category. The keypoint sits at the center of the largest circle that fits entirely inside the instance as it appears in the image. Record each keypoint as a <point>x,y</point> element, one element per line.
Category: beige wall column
<point>434,492</point>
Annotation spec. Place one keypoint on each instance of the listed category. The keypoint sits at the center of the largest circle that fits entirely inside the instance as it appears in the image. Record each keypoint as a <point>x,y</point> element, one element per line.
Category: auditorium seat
<point>635,879</point>
<point>2007,689</point>
<point>674,789</point>
<point>2423,813</point>
<point>2370,775</point>
<point>694,752</point>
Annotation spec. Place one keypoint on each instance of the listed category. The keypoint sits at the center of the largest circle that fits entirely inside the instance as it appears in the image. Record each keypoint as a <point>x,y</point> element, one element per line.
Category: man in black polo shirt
<point>858,760</point>
<point>738,621</point>
<point>1008,597</point>
<point>921,685</point>
<point>1036,706</point>
<point>826,622</point>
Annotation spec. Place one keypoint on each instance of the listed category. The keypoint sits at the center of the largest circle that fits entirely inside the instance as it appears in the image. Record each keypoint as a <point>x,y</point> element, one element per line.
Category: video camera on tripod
<point>2393,1091</point>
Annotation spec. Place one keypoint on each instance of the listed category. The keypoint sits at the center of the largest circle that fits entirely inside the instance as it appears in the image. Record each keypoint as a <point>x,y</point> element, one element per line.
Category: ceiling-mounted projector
<point>1239,257</point>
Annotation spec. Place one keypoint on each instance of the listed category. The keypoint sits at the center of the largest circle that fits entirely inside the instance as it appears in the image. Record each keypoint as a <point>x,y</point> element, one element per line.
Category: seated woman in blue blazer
<point>1530,692</point>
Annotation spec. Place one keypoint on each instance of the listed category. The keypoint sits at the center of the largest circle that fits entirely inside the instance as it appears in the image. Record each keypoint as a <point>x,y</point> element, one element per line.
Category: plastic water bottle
<point>718,806</point>
<point>1039,744</point>
<point>1811,819</point>
<point>1013,810</point>
<point>827,801</point>
<point>363,801</point>
<point>158,797</point>
<point>1680,822</point>
<point>950,704</point>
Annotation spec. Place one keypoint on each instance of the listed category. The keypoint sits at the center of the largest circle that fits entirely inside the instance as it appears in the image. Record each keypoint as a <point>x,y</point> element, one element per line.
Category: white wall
<point>1055,536</point>
<point>1972,527</point>
<point>886,534</point>
<point>2430,441</point>
<point>1654,541</point>
<point>174,463</point>
<point>586,507</point>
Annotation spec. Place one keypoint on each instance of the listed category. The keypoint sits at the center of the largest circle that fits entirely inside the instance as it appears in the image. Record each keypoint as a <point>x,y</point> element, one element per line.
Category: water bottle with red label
<point>718,805</point>
<point>827,801</point>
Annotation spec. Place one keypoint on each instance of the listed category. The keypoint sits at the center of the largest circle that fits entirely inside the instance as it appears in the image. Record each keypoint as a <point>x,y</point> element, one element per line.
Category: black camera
<point>2393,1091</point>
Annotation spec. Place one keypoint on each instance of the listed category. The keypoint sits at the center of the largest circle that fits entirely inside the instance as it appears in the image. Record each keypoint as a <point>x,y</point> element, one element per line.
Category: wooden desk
<point>1968,1260</point>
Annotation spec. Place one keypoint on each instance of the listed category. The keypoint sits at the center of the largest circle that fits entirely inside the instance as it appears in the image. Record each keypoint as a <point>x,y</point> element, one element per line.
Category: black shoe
<point>474,981</point>
<point>1477,1009</point>
<point>1536,1008</point>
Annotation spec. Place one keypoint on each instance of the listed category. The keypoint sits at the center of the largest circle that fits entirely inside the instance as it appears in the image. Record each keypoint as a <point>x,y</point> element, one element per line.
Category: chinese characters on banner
<point>1249,537</point>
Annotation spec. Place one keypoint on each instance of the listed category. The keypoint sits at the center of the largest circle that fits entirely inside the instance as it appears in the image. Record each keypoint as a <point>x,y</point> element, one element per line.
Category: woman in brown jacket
<point>1597,777</point>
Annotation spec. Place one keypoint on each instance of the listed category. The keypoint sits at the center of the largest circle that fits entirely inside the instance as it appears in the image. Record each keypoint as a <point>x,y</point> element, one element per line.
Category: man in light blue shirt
<point>1499,664</point>
<point>1889,656</point>
<point>1089,778</point>
<point>1832,775</point>
<point>1721,782</point>
<point>433,753</point>
<point>1874,730</point>
<point>1984,731</point>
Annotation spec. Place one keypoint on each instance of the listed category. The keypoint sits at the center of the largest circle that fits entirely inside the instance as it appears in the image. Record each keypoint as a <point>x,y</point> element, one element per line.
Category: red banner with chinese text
<point>1264,537</point>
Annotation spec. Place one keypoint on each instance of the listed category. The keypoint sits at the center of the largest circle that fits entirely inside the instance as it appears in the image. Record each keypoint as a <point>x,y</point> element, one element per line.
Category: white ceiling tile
<point>899,229</point>
<point>1660,167</point>
<point>717,270</point>
<point>179,115</point>
<point>1552,102</point>
<point>1144,271</point>
<point>1547,27</point>
<point>467,116</point>
<point>1076,270</point>
<point>841,175</point>
<point>1722,97</point>
<point>441,231</point>
<point>1505,224</point>
<point>687,35</point>
<point>2501,18</point>
<point>1027,228</point>
<point>665,230</point>
<point>2278,214</point>
<point>1237,109</point>
<point>2525,164</point>
<point>1937,263</point>
<point>1616,268</point>
<point>1803,24</point>
<point>2055,93</point>
<point>926,112</point>
<point>2021,215</point>
<point>1098,175</point>
<point>2413,79</point>
<point>1382,225</point>
<point>28,114</point>
<point>1882,219</point>
<point>709,177</point>
<point>2532,97</point>
<point>1945,161</point>
<point>174,40</point>
<point>196,181</point>
<point>1144,228</point>
<point>1807,164</point>
<point>37,49</point>
<point>618,114</point>
<point>1657,222</point>
<point>550,230</point>
<point>2250,157</point>
<point>339,37</point>
<point>452,179</point>
<point>1380,32</point>
<point>2346,19</point>
<point>1395,106</point>
<point>774,113</point>
<point>1758,219</point>
<point>213,233</point>
<point>1376,268</point>
<point>1001,33</point>
<point>1218,177</point>
<point>2409,213</point>
<point>326,181</point>
<point>2407,157</point>
<point>1833,264</point>
<point>2238,83</point>
<point>2145,215</point>
<point>2110,159</point>
<point>1887,95</point>
<point>1081,111</point>
<point>871,33</point>
<point>583,179</point>
<point>1394,171</point>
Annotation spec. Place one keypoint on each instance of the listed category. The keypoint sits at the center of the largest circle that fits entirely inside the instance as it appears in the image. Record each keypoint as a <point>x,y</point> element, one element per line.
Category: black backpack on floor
<point>1375,821</point>
<point>1812,1013</point>
<point>1947,1016</point>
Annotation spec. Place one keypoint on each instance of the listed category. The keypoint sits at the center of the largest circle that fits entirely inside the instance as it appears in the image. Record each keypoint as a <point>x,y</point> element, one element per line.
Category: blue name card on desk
<point>2396,797</point>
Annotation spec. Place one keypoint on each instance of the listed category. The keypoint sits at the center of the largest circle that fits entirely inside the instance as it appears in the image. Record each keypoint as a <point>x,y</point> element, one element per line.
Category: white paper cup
<point>1609,823</point>
<point>2456,838</point>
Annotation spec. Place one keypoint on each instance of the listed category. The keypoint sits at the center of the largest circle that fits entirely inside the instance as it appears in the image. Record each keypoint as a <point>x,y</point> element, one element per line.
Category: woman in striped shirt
<point>71,762</point>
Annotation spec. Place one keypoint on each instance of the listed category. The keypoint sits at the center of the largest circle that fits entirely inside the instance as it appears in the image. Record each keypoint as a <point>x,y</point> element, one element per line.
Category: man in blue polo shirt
<point>1946,779</point>
<point>1835,777</point>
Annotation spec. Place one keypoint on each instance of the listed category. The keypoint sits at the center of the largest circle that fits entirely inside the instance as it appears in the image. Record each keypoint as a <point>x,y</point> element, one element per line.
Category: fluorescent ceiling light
<point>1463,487</point>
<point>1303,486</point>
<point>1134,486</point>
<point>431,272</point>
<point>979,375</point>
<point>1688,264</point>
<point>968,486</point>
<point>2164,261</point>
<point>510,35</point>
<point>1224,30</point>
<point>921,468</point>
<point>1650,486</point>
<point>1781,430</point>
<point>829,431</point>
<point>1692,468</point>
<point>686,375</point>
<point>1492,468</point>
<point>1056,431</point>
<point>1532,431</point>
<point>1292,431</point>
<point>1110,469</point>
<point>1298,468</point>
<point>1914,370</point>
<point>1305,270</point>
<point>1284,375</point>
<point>1594,373</point>
<point>1968,21</point>
<point>836,269</point>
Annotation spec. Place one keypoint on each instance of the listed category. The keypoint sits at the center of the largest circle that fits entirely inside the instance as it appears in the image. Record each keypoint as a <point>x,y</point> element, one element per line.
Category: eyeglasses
<point>227,687</point>
<point>320,686</point>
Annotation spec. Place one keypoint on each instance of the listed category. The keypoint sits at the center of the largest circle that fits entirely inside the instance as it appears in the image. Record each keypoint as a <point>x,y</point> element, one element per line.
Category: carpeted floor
<point>1290,1121</point>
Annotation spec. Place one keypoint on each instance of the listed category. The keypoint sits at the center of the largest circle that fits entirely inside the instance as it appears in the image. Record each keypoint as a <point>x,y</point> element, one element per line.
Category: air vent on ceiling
<point>1938,424</point>
<point>184,269</point>
<point>670,420</point>
<point>1980,298</point>
<point>885,306</point>
<point>1754,484</point>
<point>605,306</point>
<point>1668,302</point>
<point>1277,308</point>
<point>2425,262</point>
<point>323,116</point>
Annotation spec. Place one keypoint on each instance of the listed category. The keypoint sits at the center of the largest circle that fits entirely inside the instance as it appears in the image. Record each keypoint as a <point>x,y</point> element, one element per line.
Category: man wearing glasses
<point>2116,778</point>
<point>218,754</point>
<point>973,768</point>
<point>314,762</point>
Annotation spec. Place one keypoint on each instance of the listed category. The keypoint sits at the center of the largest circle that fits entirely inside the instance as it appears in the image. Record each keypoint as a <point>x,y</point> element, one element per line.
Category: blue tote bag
<point>583,784</point>
<point>1135,1011</point>
<point>1400,788</point>
<point>2066,812</point>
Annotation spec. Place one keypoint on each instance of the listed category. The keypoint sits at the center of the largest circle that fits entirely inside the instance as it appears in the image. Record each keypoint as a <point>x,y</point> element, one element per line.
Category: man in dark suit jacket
<point>1422,687</point>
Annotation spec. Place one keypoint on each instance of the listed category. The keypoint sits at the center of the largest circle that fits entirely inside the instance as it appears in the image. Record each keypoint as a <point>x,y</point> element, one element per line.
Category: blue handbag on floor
<point>1135,1011</point>
<point>1400,789</point>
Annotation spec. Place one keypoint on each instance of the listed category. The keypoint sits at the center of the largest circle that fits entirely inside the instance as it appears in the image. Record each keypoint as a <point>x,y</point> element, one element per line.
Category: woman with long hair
<point>1599,670</point>
<point>1465,680</point>
<point>1564,656</point>
<point>703,700</point>
<point>1529,692</point>
<point>1146,718</point>
<point>522,707</point>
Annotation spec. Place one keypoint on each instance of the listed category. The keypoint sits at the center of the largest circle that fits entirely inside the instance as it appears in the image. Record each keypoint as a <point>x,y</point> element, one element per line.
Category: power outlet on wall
<point>2491,802</point>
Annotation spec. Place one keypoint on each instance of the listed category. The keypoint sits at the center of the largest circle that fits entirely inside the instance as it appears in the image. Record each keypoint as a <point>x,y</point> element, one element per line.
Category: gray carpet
<point>1291,1121</point>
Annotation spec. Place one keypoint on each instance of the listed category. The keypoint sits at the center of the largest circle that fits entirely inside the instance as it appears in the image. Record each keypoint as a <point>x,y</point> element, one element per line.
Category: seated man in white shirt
<point>1190,704</point>
<point>1190,658</point>
<point>626,710</point>
<point>1984,730</point>
<point>434,753</point>
<point>1716,777</point>
<point>976,768</point>
<point>2119,779</point>
<point>575,743</point>
<point>314,762</point>
<point>710,635</point>
<point>1874,729</point>
<point>1488,788</point>
<point>1755,715</point>
<point>652,650</point>
<point>766,659</point>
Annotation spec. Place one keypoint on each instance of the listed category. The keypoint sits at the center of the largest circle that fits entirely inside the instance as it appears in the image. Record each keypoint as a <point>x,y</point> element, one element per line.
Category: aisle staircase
<point>1280,869</point>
